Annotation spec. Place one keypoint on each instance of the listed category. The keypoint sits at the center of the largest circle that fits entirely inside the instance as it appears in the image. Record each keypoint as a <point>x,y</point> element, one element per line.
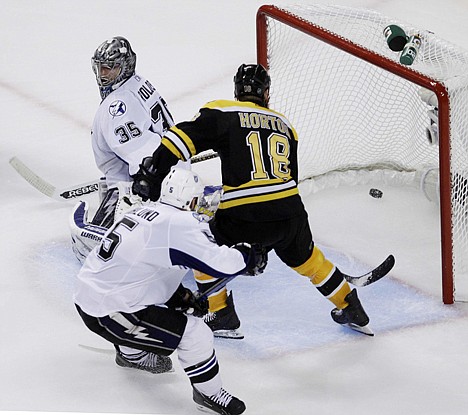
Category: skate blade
<point>150,372</point>
<point>361,329</point>
<point>160,372</point>
<point>228,334</point>
<point>204,409</point>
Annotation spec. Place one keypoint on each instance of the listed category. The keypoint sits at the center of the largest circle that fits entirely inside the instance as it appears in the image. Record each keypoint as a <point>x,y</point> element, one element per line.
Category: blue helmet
<point>113,63</point>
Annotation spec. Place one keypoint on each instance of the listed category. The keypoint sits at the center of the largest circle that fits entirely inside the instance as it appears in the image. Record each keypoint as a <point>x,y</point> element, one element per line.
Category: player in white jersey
<point>129,289</point>
<point>127,127</point>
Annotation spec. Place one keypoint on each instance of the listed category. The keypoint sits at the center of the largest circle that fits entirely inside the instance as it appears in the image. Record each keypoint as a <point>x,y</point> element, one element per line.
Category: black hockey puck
<point>376,193</point>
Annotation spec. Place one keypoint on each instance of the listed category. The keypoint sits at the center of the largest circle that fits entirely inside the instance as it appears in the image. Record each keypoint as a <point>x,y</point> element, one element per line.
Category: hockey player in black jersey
<point>260,202</point>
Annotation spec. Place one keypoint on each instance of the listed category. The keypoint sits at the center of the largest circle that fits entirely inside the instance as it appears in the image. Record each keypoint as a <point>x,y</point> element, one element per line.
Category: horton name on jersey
<point>268,122</point>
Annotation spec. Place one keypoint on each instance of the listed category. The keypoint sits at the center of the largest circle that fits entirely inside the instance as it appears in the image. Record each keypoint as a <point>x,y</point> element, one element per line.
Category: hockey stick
<point>203,157</point>
<point>221,283</point>
<point>376,274</point>
<point>361,281</point>
<point>50,190</point>
<point>218,285</point>
<point>96,349</point>
<point>77,190</point>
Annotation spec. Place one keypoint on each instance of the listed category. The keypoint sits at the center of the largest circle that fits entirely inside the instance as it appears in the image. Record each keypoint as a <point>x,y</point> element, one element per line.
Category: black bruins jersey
<point>258,151</point>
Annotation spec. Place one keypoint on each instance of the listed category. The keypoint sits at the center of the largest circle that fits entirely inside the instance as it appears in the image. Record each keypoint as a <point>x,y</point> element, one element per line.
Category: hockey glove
<point>146,182</point>
<point>187,302</point>
<point>255,256</point>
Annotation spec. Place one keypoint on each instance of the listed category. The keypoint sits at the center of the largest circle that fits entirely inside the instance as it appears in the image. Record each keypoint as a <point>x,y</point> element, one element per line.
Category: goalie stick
<point>50,190</point>
<point>78,190</point>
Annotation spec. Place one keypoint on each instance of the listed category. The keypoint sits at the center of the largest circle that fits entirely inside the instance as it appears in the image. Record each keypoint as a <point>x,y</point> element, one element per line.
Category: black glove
<point>188,302</point>
<point>195,305</point>
<point>146,182</point>
<point>255,255</point>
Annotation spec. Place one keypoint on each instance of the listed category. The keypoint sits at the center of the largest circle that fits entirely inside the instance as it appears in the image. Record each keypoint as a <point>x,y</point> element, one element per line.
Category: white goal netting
<point>368,120</point>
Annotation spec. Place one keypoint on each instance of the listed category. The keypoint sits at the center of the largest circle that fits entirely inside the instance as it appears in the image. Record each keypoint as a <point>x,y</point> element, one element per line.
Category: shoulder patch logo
<point>117,108</point>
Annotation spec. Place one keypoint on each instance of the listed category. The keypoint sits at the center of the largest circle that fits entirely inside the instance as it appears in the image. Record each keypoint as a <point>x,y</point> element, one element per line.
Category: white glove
<point>127,200</point>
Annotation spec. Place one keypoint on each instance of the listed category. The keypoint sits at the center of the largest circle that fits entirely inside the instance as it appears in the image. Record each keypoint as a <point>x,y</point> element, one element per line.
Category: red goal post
<point>333,51</point>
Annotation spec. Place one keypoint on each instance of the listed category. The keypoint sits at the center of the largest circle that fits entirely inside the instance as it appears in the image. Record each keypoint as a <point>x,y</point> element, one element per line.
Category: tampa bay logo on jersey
<point>117,108</point>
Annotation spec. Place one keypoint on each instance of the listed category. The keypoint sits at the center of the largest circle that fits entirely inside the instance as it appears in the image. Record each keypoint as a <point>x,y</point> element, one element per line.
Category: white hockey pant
<point>197,357</point>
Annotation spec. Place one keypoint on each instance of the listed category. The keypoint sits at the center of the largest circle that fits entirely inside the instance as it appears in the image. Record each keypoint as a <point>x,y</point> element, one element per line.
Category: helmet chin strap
<point>266,97</point>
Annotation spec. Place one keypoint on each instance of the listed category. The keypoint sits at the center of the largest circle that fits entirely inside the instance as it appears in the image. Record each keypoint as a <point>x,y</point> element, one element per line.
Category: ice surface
<point>293,359</point>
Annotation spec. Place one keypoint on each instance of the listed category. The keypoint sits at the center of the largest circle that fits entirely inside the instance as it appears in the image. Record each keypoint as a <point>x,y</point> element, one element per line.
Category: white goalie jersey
<point>143,258</point>
<point>128,127</point>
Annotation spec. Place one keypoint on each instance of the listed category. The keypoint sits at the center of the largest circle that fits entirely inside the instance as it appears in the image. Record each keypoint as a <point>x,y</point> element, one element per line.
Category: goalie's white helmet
<point>113,63</point>
<point>180,187</point>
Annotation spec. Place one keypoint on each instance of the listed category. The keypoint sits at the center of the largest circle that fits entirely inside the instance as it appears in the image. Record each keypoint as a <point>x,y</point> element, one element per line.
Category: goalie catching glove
<point>255,256</point>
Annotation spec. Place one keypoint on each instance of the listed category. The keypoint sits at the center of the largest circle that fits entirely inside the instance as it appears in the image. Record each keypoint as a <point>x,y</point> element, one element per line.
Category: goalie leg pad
<point>102,189</point>
<point>104,216</point>
<point>84,236</point>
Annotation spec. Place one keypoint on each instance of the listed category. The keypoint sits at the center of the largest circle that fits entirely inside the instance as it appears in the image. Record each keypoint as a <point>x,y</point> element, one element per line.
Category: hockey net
<point>360,114</point>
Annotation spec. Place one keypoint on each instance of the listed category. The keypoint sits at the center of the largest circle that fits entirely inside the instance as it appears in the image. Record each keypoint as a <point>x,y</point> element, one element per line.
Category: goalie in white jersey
<point>127,127</point>
<point>129,289</point>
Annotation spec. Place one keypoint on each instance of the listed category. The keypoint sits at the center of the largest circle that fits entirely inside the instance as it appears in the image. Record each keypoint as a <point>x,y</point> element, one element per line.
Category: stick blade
<point>61,194</point>
<point>373,276</point>
<point>32,178</point>
<point>96,349</point>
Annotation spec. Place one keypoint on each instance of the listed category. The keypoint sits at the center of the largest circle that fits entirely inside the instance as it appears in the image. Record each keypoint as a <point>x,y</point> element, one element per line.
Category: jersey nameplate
<point>268,122</point>
<point>146,90</point>
<point>147,214</point>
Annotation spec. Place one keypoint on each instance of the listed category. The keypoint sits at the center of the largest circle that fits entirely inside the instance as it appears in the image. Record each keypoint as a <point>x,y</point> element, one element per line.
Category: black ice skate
<point>146,361</point>
<point>225,323</point>
<point>221,403</point>
<point>353,315</point>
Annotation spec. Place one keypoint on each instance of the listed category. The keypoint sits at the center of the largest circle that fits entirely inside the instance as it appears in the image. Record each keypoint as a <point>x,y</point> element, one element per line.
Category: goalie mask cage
<point>357,109</point>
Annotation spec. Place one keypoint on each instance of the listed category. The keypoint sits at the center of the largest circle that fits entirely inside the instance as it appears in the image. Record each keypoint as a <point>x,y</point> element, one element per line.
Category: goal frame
<point>407,73</point>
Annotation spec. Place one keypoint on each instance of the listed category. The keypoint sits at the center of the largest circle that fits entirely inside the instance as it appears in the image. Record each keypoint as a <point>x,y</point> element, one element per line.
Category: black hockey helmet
<point>251,81</point>
<point>116,55</point>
